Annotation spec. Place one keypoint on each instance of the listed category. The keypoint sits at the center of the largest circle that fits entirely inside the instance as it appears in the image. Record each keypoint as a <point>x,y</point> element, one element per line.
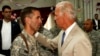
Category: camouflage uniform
<point>94,40</point>
<point>98,44</point>
<point>46,32</point>
<point>18,47</point>
<point>53,32</point>
<point>50,34</point>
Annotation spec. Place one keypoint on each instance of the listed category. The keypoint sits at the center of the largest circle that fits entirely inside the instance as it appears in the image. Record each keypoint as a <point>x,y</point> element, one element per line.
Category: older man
<point>71,41</point>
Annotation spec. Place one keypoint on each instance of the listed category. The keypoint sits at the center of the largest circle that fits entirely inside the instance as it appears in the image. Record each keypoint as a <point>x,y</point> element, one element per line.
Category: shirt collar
<point>69,28</point>
<point>6,22</point>
<point>26,34</point>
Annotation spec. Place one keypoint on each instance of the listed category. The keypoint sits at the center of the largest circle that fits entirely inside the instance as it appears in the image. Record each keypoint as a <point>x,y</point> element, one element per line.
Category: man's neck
<point>89,30</point>
<point>96,18</point>
<point>29,31</point>
<point>6,20</point>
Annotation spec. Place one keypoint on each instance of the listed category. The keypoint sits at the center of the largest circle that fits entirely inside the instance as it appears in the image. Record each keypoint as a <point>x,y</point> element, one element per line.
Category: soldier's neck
<point>29,31</point>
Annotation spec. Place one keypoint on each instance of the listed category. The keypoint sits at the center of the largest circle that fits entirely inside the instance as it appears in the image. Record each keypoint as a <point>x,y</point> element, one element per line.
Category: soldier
<point>25,44</point>
<point>93,35</point>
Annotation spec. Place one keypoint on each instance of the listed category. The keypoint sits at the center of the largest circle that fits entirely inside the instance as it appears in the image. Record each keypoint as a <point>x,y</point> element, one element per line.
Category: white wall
<point>25,3</point>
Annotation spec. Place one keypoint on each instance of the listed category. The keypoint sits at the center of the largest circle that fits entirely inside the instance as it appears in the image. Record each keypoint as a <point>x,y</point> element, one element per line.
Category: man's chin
<point>37,29</point>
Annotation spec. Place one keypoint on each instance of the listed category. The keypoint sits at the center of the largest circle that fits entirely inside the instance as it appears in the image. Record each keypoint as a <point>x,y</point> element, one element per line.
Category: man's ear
<point>27,20</point>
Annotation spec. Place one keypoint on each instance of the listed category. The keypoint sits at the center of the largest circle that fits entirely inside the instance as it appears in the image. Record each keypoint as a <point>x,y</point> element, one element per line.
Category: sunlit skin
<point>63,19</point>
<point>34,22</point>
<point>59,18</point>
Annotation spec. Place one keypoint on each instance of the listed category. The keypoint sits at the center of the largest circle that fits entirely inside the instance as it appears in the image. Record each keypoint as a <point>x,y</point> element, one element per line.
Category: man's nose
<point>40,20</point>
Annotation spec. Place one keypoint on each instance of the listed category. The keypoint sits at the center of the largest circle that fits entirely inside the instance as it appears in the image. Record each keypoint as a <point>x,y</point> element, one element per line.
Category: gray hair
<point>66,6</point>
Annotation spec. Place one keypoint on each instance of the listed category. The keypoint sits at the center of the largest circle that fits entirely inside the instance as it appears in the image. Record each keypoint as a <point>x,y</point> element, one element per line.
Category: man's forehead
<point>7,9</point>
<point>57,9</point>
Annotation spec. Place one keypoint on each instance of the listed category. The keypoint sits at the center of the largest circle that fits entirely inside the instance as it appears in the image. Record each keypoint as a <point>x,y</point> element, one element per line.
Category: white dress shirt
<point>6,35</point>
<point>96,22</point>
<point>68,30</point>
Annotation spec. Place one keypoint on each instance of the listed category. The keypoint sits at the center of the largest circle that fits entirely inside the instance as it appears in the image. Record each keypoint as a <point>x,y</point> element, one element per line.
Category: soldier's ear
<point>27,20</point>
